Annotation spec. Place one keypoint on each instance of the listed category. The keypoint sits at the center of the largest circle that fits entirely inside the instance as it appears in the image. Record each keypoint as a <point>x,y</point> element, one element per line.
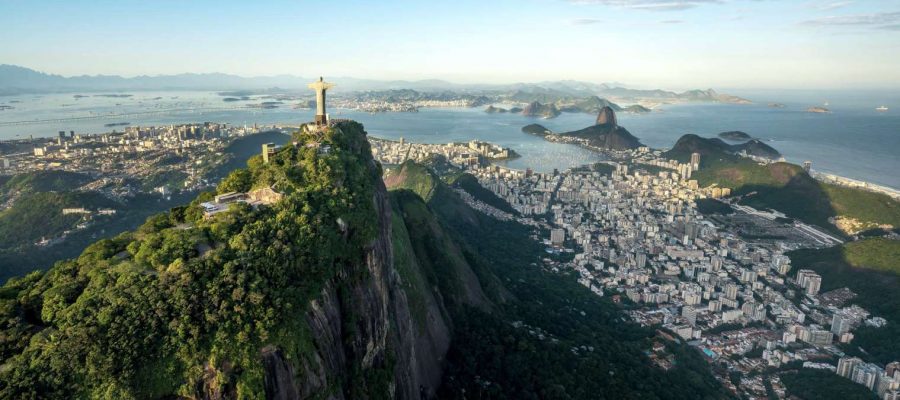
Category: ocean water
<point>90,114</point>
<point>853,141</point>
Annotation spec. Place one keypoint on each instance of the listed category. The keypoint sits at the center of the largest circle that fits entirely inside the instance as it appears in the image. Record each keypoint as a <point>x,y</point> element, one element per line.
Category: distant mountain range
<point>20,80</point>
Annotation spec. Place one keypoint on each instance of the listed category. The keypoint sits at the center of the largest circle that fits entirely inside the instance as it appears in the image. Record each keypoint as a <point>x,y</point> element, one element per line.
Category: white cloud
<point>881,20</point>
<point>651,5</point>
<point>829,5</point>
<point>585,21</point>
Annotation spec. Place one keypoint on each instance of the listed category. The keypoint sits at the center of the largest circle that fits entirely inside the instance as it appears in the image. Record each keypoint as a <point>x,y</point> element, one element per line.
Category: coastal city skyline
<point>642,43</point>
<point>533,199</point>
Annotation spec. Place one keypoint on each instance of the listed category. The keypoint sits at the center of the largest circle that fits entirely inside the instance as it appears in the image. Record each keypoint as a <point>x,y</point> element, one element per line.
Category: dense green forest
<point>880,254</point>
<point>807,383</point>
<point>37,215</point>
<point>22,259</point>
<point>139,315</point>
<point>43,181</point>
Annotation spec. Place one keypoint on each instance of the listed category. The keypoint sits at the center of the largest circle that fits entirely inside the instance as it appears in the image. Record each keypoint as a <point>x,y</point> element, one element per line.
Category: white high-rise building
<point>886,384</point>
<point>690,314</point>
<point>731,291</point>
<point>809,280</point>
<point>815,283</point>
<point>748,276</point>
<point>846,365</point>
<point>841,324</point>
<point>866,374</point>
<point>557,237</point>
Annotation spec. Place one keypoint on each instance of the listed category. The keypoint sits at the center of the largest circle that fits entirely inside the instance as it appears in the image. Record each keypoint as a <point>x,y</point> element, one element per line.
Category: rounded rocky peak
<point>607,117</point>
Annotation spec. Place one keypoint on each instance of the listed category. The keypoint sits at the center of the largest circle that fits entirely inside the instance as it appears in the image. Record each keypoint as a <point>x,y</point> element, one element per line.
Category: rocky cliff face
<point>361,325</point>
<point>607,117</point>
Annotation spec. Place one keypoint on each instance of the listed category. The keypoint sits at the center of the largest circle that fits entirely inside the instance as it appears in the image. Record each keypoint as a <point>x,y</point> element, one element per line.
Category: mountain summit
<point>706,147</point>
<point>607,117</point>
<point>606,133</point>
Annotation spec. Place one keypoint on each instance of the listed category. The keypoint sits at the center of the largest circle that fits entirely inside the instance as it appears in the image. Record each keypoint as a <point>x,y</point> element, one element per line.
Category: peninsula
<point>606,134</point>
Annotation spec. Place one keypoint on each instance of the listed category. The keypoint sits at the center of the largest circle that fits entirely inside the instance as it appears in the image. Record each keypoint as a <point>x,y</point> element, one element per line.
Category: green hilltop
<point>421,178</point>
<point>36,215</point>
<point>785,187</point>
<point>43,181</point>
<point>879,254</point>
<point>718,149</point>
<point>151,313</point>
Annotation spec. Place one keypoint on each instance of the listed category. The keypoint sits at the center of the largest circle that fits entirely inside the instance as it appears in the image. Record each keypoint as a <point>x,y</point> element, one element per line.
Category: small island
<point>545,111</point>
<point>536,129</point>
<point>236,93</point>
<point>818,110</point>
<point>735,136</point>
<point>776,105</point>
<point>636,109</point>
<point>495,110</point>
<point>266,105</point>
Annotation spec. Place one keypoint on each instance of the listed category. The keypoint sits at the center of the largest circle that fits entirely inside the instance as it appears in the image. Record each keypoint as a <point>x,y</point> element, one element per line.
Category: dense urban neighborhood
<point>634,233</point>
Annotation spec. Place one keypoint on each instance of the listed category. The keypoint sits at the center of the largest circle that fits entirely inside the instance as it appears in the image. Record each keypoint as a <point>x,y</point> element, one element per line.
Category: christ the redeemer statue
<point>320,87</point>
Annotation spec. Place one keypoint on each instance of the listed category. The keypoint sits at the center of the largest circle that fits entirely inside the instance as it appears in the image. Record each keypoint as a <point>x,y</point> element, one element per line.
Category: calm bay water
<point>854,141</point>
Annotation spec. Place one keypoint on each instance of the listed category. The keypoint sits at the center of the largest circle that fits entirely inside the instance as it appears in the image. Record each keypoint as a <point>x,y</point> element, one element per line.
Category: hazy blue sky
<point>643,43</point>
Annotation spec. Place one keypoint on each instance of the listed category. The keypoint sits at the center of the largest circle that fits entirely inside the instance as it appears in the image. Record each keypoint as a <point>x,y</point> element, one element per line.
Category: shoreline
<point>832,178</point>
<point>855,183</point>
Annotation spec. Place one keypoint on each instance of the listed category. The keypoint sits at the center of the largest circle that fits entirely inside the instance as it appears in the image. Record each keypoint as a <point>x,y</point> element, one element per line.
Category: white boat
<point>882,109</point>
